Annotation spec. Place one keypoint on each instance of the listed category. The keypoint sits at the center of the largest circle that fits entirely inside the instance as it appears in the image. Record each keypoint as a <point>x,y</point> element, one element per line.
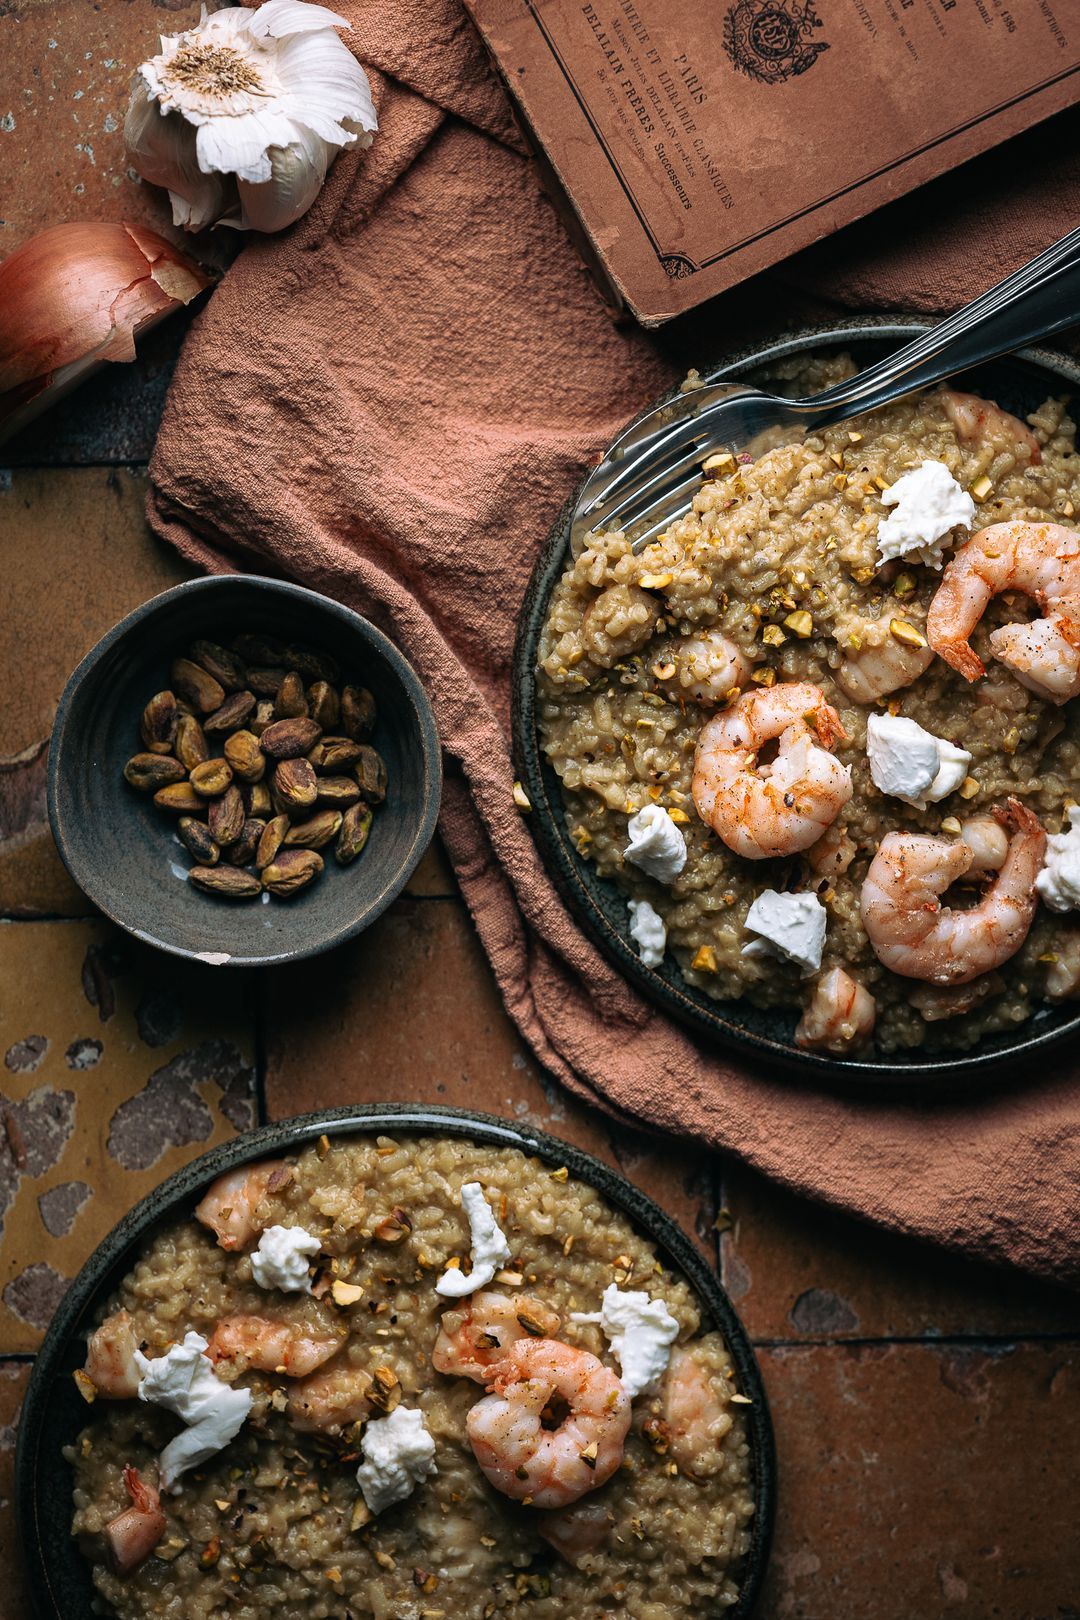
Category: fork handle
<point>1037,300</point>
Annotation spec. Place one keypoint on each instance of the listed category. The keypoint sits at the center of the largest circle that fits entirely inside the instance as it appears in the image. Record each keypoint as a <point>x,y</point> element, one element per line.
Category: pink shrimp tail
<point>829,726</point>
<point>964,659</point>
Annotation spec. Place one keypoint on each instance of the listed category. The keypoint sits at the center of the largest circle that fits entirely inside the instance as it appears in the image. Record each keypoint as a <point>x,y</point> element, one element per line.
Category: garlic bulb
<point>240,117</point>
<point>76,296</point>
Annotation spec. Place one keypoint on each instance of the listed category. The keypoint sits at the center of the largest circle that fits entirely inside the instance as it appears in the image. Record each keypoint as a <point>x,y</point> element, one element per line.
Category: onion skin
<point>76,296</point>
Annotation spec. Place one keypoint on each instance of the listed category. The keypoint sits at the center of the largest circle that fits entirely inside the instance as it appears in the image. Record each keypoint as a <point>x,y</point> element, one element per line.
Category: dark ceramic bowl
<point>122,850</point>
<point>53,1412</point>
<point>1020,382</point>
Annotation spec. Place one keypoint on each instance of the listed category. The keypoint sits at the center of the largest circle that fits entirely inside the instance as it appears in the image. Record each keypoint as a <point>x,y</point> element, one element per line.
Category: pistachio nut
<point>290,702</point>
<point>265,679</point>
<point>273,836</point>
<point>263,716</point>
<point>245,756</point>
<point>324,704</point>
<point>232,714</point>
<point>148,772</point>
<point>257,800</point>
<point>195,837</point>
<point>229,881</point>
<point>313,666</point>
<point>179,796</point>
<point>288,739</point>
<point>295,784</point>
<point>292,870</point>
<point>224,666</point>
<point>242,853</point>
<point>334,754</point>
<point>191,745</point>
<point>370,772</point>
<point>193,682</point>
<point>254,649</point>
<point>357,712</point>
<point>227,817</point>
<point>355,826</point>
<point>211,777</point>
<point>158,725</point>
<point>316,831</point>
<point>337,791</point>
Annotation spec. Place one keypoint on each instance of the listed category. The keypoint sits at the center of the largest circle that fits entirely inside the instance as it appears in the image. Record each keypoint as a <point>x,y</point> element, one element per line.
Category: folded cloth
<point>389,403</point>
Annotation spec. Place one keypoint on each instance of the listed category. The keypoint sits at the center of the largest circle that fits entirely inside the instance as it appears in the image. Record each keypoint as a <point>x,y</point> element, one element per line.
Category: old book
<point>694,142</point>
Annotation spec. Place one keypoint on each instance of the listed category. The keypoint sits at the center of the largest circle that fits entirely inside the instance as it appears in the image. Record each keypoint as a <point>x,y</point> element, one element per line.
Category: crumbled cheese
<point>656,844</point>
<point>1058,883</point>
<point>183,1381</point>
<point>929,505</point>
<point>398,1453</point>
<point>910,763</point>
<point>791,926</point>
<point>281,1260</point>
<point>648,932</point>
<point>490,1249</point>
<point>640,1331</point>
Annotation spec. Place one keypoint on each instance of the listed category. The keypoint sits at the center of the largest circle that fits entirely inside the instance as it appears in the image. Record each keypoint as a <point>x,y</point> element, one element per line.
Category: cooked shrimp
<point>695,1416</point>
<point>576,1531</point>
<point>268,1346</point>
<point>833,853</point>
<point>980,419</point>
<point>229,1205</point>
<point>938,1001</point>
<point>916,936</point>
<point>110,1358</point>
<point>479,1333</point>
<point>330,1399</point>
<point>777,808</point>
<point>1063,973</point>
<point>875,663</point>
<point>988,842</point>
<point>549,1467</point>
<point>133,1534</point>
<point>707,667</point>
<point>1040,560</point>
<point>839,1017</point>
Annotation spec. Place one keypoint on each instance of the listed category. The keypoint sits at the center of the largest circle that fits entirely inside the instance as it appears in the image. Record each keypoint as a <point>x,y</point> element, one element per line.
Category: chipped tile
<point>92,1114</point>
<point>410,1013</point>
<point>925,1480</point>
<point>799,1271</point>
<point>116,565</point>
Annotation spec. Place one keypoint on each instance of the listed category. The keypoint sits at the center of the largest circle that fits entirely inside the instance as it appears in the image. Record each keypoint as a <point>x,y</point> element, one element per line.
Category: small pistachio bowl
<point>123,851</point>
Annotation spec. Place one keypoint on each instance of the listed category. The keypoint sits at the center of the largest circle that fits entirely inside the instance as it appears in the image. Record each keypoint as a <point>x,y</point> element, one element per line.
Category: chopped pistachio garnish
<point>85,1386</point>
<point>882,483</point>
<point>589,1454</point>
<point>854,438</point>
<point>705,957</point>
<point>906,633</point>
<point>800,624</point>
<point>763,677</point>
<point>968,788</point>
<point>720,462</point>
<point>1011,740</point>
<point>678,815</point>
<point>561,1174</point>
<point>344,1293</point>
<point>840,481</point>
<point>655,582</point>
<point>951,825</point>
<point>904,584</point>
<point>773,636</point>
<point>521,798</point>
<point>981,488</point>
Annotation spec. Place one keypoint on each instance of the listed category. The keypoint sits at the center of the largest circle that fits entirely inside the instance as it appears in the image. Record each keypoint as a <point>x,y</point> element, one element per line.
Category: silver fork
<point>650,473</point>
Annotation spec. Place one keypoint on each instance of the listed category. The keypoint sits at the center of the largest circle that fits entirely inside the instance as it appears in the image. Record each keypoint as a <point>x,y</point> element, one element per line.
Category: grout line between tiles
<point>944,1341</point>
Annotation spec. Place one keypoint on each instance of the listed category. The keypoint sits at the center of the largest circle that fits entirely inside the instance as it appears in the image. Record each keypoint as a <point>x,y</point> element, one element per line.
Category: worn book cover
<point>694,142</point>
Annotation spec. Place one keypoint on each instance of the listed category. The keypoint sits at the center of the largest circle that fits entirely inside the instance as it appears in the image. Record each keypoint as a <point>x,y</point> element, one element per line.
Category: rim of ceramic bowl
<point>64,1347</point>
<point>600,908</point>
<point>382,647</point>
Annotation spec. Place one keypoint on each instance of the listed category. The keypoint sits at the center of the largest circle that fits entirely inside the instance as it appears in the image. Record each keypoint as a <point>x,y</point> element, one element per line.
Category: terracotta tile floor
<point>927,1412</point>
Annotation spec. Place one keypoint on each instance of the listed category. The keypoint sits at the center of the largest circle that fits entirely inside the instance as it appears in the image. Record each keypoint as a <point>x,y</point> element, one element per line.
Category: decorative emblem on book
<point>771,40</point>
<point>678,266</point>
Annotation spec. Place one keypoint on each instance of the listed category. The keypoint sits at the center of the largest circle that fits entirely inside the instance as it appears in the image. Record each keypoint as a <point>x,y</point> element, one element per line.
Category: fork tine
<point>644,491</point>
<point>657,527</point>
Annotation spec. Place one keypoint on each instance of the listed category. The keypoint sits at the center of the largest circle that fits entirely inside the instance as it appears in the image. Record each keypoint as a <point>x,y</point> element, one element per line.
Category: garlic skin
<point>240,117</point>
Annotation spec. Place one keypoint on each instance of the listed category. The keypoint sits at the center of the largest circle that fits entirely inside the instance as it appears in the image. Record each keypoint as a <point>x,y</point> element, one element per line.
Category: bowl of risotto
<point>396,1362</point>
<point>805,766</point>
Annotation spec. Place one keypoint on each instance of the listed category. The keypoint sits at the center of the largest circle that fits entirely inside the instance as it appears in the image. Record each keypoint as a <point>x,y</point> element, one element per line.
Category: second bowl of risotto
<point>401,1362</point>
<point>806,764</point>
